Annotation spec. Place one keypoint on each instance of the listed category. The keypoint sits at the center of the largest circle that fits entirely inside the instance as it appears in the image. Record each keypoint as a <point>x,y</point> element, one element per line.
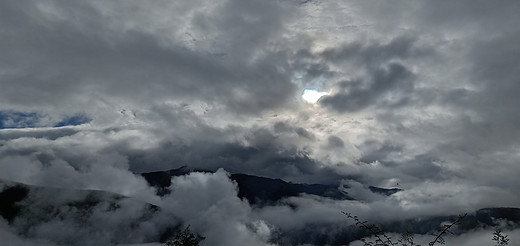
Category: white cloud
<point>421,94</point>
<point>209,203</point>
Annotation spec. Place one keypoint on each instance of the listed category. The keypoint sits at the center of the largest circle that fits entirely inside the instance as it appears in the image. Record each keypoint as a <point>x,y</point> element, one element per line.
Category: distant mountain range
<point>486,218</point>
<point>25,207</point>
<point>32,210</point>
<point>260,190</point>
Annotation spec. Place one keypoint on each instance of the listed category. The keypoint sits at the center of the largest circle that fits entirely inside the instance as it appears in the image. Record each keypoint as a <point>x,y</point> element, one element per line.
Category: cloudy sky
<point>417,95</point>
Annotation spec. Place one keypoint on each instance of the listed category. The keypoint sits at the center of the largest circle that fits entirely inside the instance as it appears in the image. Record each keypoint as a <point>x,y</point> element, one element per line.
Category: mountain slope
<point>71,217</point>
<point>80,217</point>
<point>259,190</point>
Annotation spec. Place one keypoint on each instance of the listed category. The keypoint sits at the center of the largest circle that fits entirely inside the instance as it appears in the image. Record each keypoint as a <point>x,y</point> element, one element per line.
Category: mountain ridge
<point>260,190</point>
<point>80,205</point>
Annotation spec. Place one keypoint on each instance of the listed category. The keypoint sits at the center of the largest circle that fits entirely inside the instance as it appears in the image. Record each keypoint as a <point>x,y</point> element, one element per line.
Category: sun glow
<point>312,96</point>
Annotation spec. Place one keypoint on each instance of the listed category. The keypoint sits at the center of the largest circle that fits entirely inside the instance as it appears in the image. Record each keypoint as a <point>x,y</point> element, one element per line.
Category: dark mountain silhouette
<point>9,197</point>
<point>257,190</point>
<point>16,200</point>
<point>164,178</point>
<point>27,206</point>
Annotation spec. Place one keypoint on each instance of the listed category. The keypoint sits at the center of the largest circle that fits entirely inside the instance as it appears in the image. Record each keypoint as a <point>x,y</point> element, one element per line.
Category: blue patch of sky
<point>74,120</point>
<point>14,119</point>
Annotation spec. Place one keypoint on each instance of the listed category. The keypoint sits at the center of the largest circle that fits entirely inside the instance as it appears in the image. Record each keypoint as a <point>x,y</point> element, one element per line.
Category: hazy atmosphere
<point>416,95</point>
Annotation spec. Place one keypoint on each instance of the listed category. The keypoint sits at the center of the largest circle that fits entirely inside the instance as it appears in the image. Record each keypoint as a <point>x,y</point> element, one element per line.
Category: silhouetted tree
<point>501,240</point>
<point>381,239</point>
<point>185,238</point>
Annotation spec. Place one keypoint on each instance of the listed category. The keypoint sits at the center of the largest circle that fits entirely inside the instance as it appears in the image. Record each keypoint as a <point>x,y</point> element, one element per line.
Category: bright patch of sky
<point>312,96</point>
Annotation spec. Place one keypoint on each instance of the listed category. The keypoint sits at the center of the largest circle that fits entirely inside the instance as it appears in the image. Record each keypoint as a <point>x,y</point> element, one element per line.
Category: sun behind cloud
<point>312,96</point>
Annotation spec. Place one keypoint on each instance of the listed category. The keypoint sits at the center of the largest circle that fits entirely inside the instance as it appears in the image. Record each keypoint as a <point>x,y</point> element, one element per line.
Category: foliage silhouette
<point>446,229</point>
<point>185,238</point>
<point>382,239</point>
<point>501,240</point>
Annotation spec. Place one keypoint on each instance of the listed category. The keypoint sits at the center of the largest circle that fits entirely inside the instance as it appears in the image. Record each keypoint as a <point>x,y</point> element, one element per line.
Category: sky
<point>417,95</point>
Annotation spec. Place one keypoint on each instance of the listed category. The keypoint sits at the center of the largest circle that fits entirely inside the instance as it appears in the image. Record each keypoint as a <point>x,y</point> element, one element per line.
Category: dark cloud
<point>496,76</point>
<point>281,127</point>
<point>389,87</point>
<point>375,53</point>
<point>420,94</point>
<point>63,216</point>
<point>335,142</point>
<point>377,151</point>
<point>86,58</point>
<point>264,154</point>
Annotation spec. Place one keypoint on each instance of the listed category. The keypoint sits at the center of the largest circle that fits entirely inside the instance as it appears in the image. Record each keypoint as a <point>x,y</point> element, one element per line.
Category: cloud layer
<point>420,96</point>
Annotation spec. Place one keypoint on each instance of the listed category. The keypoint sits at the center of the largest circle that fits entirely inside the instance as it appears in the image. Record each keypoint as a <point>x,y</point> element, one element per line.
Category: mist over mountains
<point>73,217</point>
<point>253,188</point>
<point>285,113</point>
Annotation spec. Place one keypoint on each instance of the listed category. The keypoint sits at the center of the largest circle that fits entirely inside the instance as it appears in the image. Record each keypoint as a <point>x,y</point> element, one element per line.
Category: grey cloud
<point>244,25</point>
<point>65,216</point>
<point>57,163</point>
<point>443,18</point>
<point>465,14</point>
<point>281,127</point>
<point>185,140</point>
<point>264,155</point>
<point>484,117</point>
<point>356,58</point>
<point>356,96</point>
<point>309,66</point>
<point>335,142</point>
<point>375,150</point>
<point>381,72</point>
<point>424,94</point>
<point>401,47</point>
<point>412,169</point>
<point>9,236</point>
<point>51,134</point>
<point>210,204</point>
<point>87,57</point>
